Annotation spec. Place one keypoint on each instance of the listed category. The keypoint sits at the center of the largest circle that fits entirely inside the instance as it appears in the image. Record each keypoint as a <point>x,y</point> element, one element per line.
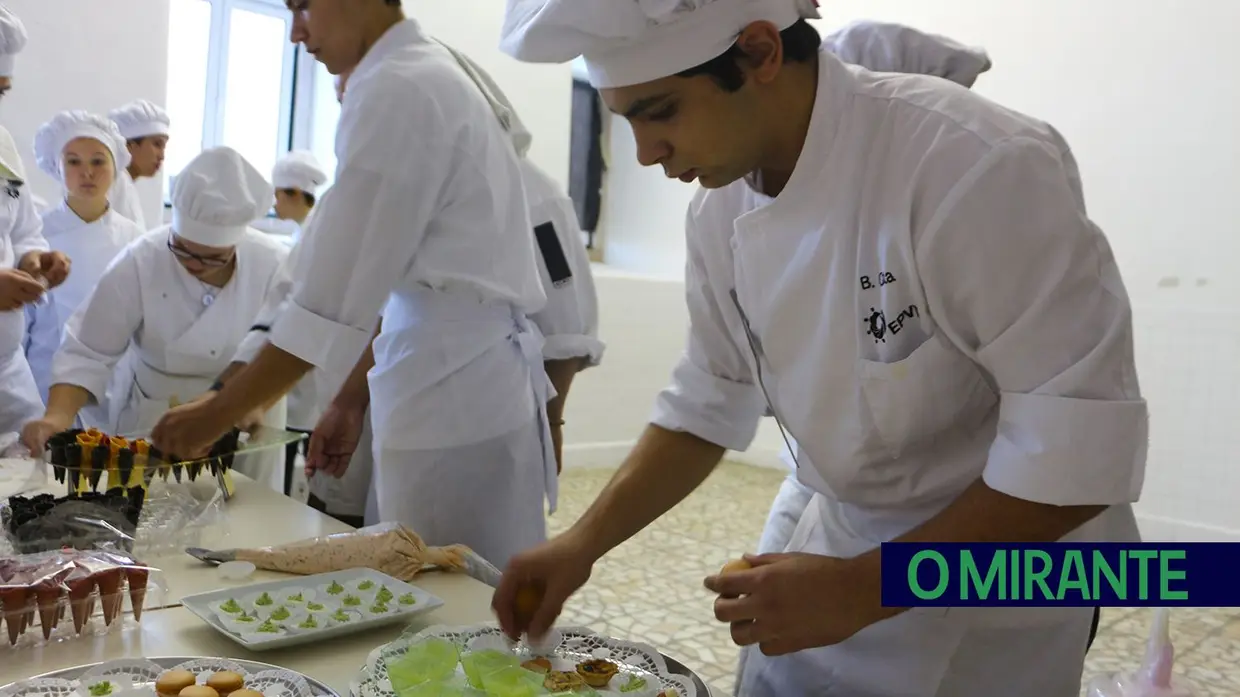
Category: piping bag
<point>1154,678</point>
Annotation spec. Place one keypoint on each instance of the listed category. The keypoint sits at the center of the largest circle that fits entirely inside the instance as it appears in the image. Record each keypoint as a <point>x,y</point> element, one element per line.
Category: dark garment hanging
<point>585,170</point>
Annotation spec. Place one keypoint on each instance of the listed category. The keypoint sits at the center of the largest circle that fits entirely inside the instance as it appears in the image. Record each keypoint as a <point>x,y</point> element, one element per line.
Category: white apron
<point>19,396</point>
<point>437,464</point>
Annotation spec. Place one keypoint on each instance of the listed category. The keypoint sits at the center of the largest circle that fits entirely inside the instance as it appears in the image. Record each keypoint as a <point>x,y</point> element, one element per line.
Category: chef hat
<point>12,40</point>
<point>11,166</point>
<point>629,42</point>
<point>140,119</point>
<point>503,109</point>
<point>298,170</point>
<point>216,197</point>
<point>895,48</point>
<point>52,137</point>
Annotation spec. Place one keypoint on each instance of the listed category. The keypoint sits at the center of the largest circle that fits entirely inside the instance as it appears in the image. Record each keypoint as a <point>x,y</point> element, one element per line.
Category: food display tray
<point>167,663</point>
<point>205,605</point>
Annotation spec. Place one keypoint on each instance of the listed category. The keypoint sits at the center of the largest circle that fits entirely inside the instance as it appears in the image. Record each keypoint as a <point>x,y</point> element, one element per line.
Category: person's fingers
<point>550,605</point>
<point>316,458</point>
<point>503,604</point>
<point>745,633</point>
<point>756,560</point>
<point>733,584</point>
<point>741,609</point>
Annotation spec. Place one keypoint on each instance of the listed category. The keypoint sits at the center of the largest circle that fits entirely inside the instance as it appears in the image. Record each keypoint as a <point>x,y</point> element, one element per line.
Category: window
<point>231,77</point>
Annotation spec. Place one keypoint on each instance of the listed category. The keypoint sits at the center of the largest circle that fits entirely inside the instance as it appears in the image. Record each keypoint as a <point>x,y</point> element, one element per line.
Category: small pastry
<point>226,682</point>
<point>171,683</point>
<point>560,681</point>
<point>199,691</point>
<point>597,672</point>
<point>538,665</point>
<point>246,692</point>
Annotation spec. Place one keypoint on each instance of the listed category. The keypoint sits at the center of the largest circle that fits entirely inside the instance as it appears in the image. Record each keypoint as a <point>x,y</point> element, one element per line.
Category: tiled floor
<point>650,589</point>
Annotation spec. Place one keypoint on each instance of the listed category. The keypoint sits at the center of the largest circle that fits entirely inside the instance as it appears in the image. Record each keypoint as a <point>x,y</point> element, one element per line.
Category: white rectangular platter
<point>316,591</point>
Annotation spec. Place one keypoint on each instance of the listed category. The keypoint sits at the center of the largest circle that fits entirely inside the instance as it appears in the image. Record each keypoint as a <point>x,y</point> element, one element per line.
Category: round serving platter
<point>169,662</point>
<point>679,668</point>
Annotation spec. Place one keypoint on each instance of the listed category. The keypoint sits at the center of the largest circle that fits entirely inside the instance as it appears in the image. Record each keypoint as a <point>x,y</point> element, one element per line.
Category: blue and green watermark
<point>1198,574</point>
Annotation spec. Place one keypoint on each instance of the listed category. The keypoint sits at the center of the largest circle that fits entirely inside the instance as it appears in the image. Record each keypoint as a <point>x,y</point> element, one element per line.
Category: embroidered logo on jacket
<point>879,327</point>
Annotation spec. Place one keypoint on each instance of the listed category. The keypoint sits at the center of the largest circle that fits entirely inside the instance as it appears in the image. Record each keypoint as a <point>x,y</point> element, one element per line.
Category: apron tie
<point>531,342</point>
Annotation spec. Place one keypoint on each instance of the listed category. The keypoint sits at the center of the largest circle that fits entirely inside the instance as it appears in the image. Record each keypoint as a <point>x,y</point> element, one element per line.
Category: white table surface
<point>256,516</point>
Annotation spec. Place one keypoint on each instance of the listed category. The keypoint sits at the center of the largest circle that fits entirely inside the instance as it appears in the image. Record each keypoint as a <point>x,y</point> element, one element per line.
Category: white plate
<point>202,603</point>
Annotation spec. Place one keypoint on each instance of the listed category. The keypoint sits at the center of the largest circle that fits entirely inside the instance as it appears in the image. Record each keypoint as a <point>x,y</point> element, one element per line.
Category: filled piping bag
<point>1154,678</point>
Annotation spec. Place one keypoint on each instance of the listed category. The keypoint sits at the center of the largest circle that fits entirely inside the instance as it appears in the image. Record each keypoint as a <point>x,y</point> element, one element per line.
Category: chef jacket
<point>92,247</point>
<point>21,232</point>
<point>925,303</point>
<point>124,199</point>
<point>427,198</point>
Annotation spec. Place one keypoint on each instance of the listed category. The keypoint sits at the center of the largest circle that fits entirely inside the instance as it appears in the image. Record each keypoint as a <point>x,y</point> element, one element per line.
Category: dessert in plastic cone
<point>1155,676</point>
<point>47,596</point>
<point>81,602</point>
<point>111,595</point>
<point>137,577</point>
<point>13,610</point>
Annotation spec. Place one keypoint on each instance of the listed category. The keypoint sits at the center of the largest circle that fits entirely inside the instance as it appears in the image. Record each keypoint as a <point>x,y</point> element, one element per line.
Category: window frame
<point>217,76</point>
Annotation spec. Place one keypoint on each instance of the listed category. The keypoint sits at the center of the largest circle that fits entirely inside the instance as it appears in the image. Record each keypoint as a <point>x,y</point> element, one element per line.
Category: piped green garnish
<point>379,608</point>
<point>335,589</point>
<point>280,613</point>
<point>268,627</point>
<point>351,601</point>
<point>230,606</point>
<point>264,600</point>
<point>366,585</point>
<point>296,598</point>
<point>341,616</point>
<point>384,594</point>
<point>309,623</point>
<point>244,618</point>
<point>407,599</point>
<point>315,606</point>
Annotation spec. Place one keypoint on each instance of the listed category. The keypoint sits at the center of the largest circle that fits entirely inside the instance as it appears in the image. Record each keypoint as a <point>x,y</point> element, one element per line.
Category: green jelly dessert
<point>432,660</point>
<point>478,664</point>
<point>513,681</point>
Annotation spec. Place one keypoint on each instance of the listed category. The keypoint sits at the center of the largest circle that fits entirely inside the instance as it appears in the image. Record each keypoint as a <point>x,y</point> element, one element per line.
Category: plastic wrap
<point>67,594</point>
<point>388,547</point>
<point>1155,677</point>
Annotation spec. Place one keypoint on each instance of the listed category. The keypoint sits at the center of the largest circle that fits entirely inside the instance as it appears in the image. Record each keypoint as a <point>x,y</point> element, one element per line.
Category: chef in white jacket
<point>297,177</point>
<point>146,127</point>
<point>569,321</point>
<point>427,224</point>
<point>27,267</point>
<point>86,153</point>
<point>173,307</point>
<point>904,274</point>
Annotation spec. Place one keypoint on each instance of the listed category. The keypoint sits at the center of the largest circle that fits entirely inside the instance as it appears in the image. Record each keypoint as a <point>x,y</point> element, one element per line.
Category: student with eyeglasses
<point>171,310</point>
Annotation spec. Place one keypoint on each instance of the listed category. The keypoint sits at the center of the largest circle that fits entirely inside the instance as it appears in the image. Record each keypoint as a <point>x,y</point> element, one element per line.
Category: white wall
<point>86,55</point>
<point>1140,90</point>
<point>541,94</point>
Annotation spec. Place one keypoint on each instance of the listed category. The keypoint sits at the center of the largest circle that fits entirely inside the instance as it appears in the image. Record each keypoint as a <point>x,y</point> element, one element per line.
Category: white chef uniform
<point>176,333</point>
<point>917,362</point>
<point>138,119</point>
<point>880,47</point>
<point>426,223</point>
<point>21,232</point>
<point>91,246</point>
<point>568,322</point>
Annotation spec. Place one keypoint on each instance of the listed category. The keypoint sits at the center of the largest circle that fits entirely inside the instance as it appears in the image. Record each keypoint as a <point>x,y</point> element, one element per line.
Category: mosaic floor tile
<point>650,588</point>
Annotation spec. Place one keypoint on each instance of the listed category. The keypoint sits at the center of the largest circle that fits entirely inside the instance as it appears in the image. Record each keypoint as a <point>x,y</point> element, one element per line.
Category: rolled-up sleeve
<point>1021,280</point>
<point>99,331</point>
<point>712,394</point>
<point>569,320</point>
<point>368,226</point>
<point>27,235</point>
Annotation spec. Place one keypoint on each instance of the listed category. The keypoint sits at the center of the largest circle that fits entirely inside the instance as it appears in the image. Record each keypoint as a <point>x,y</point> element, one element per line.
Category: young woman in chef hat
<point>86,153</point>
<point>146,128</point>
<point>174,306</point>
<point>27,268</point>
<point>297,177</point>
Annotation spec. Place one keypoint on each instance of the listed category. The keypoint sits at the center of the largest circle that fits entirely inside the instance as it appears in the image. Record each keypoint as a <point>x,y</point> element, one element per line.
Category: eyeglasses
<point>183,253</point>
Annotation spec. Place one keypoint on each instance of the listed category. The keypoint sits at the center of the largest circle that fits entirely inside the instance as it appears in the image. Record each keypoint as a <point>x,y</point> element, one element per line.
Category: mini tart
<point>560,681</point>
<point>226,682</point>
<point>538,665</point>
<point>597,672</point>
<point>171,683</point>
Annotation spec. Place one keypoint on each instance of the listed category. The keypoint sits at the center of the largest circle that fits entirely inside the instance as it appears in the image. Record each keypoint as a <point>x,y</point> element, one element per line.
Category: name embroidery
<point>885,278</point>
<point>878,326</point>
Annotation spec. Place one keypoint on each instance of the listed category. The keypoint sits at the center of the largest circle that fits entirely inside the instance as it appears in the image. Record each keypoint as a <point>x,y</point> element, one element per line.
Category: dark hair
<point>801,43</point>
<point>305,195</point>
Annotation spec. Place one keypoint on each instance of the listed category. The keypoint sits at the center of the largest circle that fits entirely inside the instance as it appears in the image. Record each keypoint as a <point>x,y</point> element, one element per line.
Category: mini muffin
<point>226,682</point>
<point>597,672</point>
<point>246,692</point>
<point>172,682</point>
<point>538,665</point>
<point>560,681</point>
<point>199,691</point>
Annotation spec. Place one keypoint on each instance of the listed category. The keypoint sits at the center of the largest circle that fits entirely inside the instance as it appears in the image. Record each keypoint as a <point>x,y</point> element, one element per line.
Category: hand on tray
<point>537,583</point>
<point>190,429</point>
